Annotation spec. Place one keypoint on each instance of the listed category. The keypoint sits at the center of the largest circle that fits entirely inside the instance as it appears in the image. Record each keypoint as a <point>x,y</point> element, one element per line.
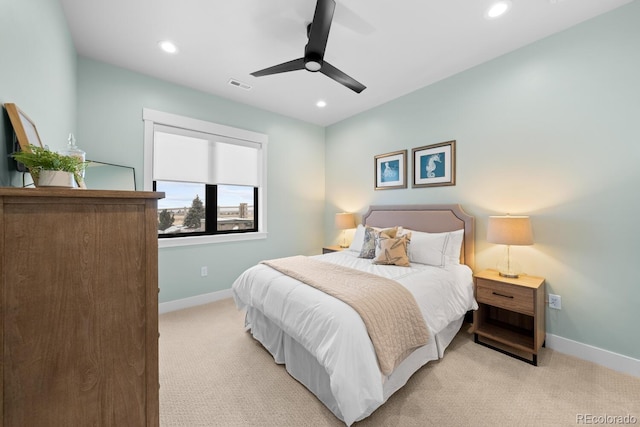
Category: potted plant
<point>51,169</point>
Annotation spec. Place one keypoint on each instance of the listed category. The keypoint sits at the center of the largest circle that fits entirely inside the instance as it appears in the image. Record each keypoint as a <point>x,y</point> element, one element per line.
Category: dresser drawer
<point>509,297</point>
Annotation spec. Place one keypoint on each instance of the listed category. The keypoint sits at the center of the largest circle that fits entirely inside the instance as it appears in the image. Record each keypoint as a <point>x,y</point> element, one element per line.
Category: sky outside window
<point>181,194</point>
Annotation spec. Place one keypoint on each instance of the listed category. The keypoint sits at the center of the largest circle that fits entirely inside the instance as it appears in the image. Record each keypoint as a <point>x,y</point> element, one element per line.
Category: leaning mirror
<point>107,176</point>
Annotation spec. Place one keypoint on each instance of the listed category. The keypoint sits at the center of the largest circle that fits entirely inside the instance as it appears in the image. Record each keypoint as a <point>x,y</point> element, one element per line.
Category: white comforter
<point>335,334</point>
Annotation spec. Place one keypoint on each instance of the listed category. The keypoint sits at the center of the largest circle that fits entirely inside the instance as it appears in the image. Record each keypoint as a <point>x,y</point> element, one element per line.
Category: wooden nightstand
<point>510,313</point>
<point>334,248</point>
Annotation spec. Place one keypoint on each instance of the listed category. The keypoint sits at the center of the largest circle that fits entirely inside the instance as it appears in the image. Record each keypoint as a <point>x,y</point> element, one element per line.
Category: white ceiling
<point>392,47</point>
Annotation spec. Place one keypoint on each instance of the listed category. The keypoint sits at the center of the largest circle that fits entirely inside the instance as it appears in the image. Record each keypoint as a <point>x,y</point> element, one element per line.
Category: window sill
<point>205,240</point>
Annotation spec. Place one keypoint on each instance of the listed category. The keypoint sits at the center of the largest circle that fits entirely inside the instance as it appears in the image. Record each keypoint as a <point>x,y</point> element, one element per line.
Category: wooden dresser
<point>79,308</point>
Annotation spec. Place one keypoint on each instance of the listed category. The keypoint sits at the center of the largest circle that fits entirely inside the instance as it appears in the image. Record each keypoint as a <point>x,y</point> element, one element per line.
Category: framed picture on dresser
<point>391,170</point>
<point>434,165</point>
<point>23,126</point>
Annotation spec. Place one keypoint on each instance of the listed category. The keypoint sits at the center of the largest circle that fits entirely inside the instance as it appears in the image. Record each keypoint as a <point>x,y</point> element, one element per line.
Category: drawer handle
<point>503,295</point>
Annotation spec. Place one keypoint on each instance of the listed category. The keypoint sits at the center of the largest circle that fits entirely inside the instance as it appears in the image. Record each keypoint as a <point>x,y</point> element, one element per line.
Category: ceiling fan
<point>313,60</point>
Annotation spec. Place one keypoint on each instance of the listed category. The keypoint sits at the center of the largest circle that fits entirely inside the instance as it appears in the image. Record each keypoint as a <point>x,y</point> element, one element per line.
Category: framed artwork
<point>391,170</point>
<point>434,165</point>
<point>24,128</point>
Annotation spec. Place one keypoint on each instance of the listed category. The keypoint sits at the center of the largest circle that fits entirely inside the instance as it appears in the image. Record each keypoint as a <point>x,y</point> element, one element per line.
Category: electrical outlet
<point>204,271</point>
<point>555,301</point>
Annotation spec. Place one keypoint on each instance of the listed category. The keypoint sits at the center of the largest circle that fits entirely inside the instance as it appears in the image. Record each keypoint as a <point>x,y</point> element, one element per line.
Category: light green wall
<point>37,73</point>
<point>551,130</point>
<point>110,129</point>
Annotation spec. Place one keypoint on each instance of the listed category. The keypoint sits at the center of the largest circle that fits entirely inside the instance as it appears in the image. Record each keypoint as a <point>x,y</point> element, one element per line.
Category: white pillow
<point>436,249</point>
<point>428,248</point>
<point>454,245</point>
<point>358,239</point>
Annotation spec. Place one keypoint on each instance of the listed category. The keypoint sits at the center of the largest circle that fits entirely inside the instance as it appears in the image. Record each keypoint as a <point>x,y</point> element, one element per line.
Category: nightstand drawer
<point>510,297</point>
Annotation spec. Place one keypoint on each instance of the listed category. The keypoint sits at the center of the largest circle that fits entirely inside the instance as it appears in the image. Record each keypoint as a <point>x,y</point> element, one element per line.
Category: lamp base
<point>509,275</point>
<point>507,267</point>
<point>343,244</point>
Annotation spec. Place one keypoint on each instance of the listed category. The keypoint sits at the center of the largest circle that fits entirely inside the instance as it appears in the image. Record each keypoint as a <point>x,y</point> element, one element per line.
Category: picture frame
<point>434,165</point>
<point>390,170</point>
<point>24,128</point>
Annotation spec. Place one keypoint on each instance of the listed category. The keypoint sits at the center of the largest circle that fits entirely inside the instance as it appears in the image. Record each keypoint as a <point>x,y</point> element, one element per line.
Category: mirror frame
<point>19,120</point>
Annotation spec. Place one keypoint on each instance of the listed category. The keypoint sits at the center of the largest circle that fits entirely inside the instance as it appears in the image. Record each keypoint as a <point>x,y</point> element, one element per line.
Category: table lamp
<point>509,230</point>
<point>345,221</point>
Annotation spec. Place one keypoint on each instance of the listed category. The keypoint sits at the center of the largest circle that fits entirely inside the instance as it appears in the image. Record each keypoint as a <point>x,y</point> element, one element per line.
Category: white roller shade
<point>180,158</point>
<point>234,164</point>
<point>214,160</point>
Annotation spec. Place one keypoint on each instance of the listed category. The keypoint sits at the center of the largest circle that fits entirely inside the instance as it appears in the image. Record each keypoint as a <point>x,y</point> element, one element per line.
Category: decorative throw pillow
<point>400,233</point>
<point>368,250</point>
<point>393,251</point>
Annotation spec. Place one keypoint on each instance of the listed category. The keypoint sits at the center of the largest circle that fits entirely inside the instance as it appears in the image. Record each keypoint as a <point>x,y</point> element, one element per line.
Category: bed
<point>323,342</point>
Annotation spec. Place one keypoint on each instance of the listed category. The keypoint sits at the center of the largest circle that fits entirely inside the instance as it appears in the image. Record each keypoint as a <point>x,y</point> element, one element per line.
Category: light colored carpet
<point>213,373</point>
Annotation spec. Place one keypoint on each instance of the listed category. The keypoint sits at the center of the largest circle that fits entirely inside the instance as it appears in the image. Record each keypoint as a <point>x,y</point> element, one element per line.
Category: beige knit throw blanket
<point>389,311</point>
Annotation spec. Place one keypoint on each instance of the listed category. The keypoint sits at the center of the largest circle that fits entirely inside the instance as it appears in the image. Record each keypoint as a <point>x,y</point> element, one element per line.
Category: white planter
<point>48,178</point>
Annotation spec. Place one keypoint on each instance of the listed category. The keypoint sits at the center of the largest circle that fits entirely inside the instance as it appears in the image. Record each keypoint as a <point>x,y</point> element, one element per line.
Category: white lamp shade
<point>510,230</point>
<point>345,221</point>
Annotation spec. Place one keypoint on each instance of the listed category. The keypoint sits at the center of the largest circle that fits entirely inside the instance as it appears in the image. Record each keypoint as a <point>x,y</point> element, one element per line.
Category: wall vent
<point>237,83</point>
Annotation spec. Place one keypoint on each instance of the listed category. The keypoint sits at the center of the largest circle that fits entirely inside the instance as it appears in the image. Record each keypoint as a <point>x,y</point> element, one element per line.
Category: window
<point>184,212</point>
<point>213,177</point>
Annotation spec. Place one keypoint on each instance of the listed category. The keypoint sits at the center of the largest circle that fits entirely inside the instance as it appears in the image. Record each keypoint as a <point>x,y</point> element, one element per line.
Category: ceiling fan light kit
<point>312,66</point>
<point>313,63</point>
<point>313,59</point>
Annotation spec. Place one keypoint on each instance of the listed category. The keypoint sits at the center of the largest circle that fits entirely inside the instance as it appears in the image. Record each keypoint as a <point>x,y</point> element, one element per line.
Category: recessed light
<point>498,9</point>
<point>321,104</point>
<point>168,46</point>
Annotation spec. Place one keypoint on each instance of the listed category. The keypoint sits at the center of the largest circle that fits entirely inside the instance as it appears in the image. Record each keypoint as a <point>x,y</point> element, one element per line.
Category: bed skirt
<point>304,367</point>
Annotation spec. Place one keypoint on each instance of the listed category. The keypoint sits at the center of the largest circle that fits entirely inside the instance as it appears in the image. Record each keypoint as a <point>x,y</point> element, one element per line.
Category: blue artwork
<point>390,171</point>
<point>432,166</point>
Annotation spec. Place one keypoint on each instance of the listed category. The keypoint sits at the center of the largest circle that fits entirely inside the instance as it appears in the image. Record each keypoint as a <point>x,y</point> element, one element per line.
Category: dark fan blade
<point>296,64</point>
<point>319,32</point>
<point>337,75</point>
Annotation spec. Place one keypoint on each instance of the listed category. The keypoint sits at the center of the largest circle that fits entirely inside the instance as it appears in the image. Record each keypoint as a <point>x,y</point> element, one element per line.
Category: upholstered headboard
<point>428,218</point>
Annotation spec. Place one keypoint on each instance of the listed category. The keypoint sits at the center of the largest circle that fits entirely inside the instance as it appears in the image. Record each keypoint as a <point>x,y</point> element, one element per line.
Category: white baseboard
<point>166,307</point>
<point>609,359</point>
